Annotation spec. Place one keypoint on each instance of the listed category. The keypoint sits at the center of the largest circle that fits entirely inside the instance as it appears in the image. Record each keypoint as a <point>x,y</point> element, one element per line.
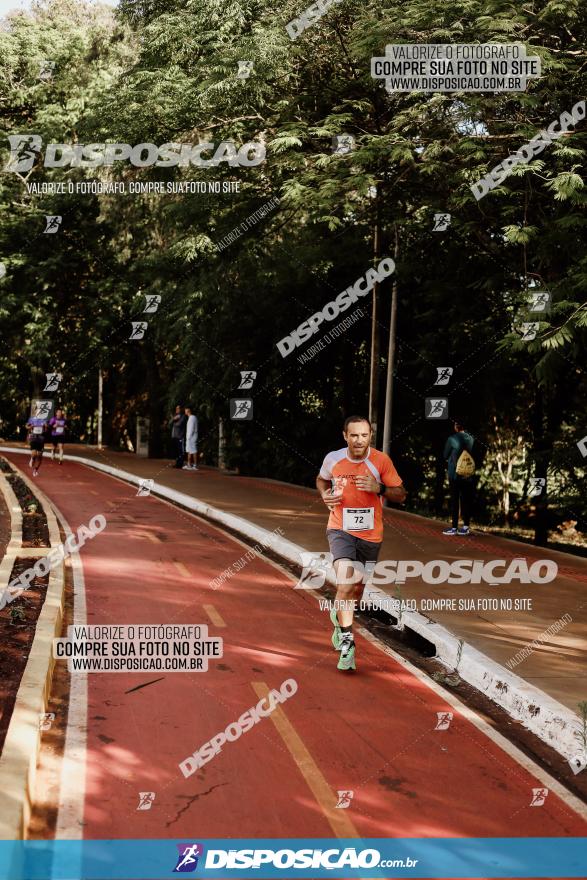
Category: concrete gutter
<point>553,723</point>
<point>18,763</point>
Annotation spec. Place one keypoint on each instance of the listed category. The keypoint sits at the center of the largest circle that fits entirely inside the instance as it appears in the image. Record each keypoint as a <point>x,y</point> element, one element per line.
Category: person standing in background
<point>191,440</point>
<point>178,423</point>
<point>461,478</point>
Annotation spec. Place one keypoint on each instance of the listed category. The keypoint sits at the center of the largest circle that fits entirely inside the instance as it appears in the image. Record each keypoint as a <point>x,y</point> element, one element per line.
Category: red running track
<point>371,733</point>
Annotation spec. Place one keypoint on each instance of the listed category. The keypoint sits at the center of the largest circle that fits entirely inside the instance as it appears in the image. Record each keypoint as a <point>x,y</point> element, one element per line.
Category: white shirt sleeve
<point>326,469</point>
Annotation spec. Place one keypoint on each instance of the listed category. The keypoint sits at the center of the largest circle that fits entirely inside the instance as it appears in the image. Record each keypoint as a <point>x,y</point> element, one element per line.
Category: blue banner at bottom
<point>294,857</point>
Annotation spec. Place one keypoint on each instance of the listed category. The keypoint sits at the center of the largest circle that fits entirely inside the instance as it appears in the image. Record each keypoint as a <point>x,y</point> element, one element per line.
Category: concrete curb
<point>15,541</point>
<point>548,719</point>
<point>18,763</point>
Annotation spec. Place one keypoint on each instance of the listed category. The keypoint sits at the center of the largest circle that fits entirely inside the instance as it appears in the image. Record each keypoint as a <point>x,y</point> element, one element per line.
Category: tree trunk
<point>541,457</point>
<point>374,372</point>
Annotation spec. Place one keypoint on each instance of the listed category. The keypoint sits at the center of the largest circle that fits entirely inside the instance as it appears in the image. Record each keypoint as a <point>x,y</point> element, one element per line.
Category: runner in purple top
<point>36,431</point>
<point>58,425</point>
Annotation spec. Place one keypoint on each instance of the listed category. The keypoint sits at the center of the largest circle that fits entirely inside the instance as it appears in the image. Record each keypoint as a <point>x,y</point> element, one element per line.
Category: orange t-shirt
<point>360,512</point>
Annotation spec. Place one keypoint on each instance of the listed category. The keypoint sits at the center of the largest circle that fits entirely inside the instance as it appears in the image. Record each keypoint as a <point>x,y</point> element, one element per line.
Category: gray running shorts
<point>343,545</point>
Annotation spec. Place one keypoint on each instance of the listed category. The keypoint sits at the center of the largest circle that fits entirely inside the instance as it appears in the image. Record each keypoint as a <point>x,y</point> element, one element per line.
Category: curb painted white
<point>72,789</point>
<point>18,763</point>
<point>552,722</point>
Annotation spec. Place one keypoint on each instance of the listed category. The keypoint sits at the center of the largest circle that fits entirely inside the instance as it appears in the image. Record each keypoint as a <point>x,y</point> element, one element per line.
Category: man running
<point>37,429</point>
<point>353,482</point>
<point>58,426</point>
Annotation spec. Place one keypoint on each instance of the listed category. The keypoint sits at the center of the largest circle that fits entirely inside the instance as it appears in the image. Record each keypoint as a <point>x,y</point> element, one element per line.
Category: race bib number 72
<point>358,519</point>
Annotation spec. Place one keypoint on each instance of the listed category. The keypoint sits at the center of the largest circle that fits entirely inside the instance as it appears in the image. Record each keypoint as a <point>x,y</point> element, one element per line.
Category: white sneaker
<point>186,467</point>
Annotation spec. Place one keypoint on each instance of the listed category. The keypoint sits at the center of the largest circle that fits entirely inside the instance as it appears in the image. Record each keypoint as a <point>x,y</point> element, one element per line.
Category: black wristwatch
<point>382,489</point>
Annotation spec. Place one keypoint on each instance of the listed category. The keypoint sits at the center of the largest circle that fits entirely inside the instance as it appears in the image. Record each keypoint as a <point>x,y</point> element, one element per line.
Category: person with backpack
<point>461,478</point>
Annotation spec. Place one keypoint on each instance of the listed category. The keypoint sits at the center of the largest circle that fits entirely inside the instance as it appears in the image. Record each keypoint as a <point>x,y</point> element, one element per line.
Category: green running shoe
<point>336,634</point>
<point>346,661</point>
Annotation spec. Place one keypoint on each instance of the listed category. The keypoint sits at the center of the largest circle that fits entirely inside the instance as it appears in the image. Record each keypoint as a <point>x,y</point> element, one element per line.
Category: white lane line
<point>73,767</point>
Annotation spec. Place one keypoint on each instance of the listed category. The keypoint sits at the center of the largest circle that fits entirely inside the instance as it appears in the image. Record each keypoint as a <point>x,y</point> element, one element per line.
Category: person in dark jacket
<point>178,423</point>
<point>462,488</point>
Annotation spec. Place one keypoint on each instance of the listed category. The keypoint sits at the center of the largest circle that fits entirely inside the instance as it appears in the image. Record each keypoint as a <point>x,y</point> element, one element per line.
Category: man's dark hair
<point>350,419</point>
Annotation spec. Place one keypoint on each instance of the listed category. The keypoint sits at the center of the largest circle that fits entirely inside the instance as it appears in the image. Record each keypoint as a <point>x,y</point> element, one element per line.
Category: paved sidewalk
<point>557,666</point>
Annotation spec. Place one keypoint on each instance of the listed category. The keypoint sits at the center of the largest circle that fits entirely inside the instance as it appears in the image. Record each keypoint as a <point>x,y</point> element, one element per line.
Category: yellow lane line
<point>339,822</point>
<point>214,615</point>
<point>182,569</point>
<point>151,537</point>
